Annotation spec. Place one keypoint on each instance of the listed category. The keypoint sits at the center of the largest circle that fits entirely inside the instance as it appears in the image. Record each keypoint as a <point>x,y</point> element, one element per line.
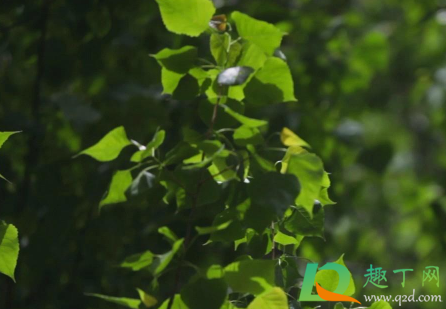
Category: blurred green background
<point>370,77</point>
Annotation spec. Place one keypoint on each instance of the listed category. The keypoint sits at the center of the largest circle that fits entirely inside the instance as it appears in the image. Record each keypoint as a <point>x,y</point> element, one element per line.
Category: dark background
<point>370,77</point>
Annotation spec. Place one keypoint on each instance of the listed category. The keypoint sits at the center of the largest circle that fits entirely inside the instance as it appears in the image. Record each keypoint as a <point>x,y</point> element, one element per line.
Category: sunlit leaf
<point>285,239</point>
<point>249,122</point>
<point>176,304</point>
<point>245,135</point>
<point>272,299</point>
<point>138,261</point>
<point>189,17</point>
<point>109,147</point>
<point>5,135</point>
<point>163,260</point>
<point>9,249</point>
<point>271,84</point>
<point>308,168</point>
<point>219,47</point>
<point>121,181</point>
<point>289,138</point>
<point>215,272</point>
<point>175,63</point>
<point>264,35</point>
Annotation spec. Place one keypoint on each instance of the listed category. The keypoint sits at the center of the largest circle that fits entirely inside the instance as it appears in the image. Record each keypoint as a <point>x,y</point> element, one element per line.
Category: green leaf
<point>292,150</point>
<point>188,88</point>
<point>189,17</point>
<point>252,56</point>
<point>121,181</point>
<point>271,84</point>
<point>163,260</point>
<point>177,303</point>
<point>3,138</point>
<point>250,276</point>
<point>215,272</point>
<point>175,63</point>
<point>266,36</point>
<point>324,199</point>
<point>139,261</point>
<point>123,301</point>
<point>9,249</point>
<point>109,147</point>
<point>208,158</point>
<point>281,192</point>
<point>168,233</point>
<point>286,240</point>
<point>205,293</point>
<point>234,76</point>
<point>380,305</point>
<point>5,135</point>
<point>329,279</point>
<point>146,299</point>
<point>180,152</point>
<point>209,193</point>
<point>245,135</point>
<point>157,141</point>
<point>249,122</point>
<point>263,163</point>
<point>308,168</point>
<point>301,223</point>
<point>272,299</point>
<point>219,48</point>
<point>212,229</point>
<point>220,170</point>
<point>234,53</point>
<point>170,80</point>
<point>289,138</point>
<point>233,231</point>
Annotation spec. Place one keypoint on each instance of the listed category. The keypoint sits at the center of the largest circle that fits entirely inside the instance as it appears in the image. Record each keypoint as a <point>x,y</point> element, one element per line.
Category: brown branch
<point>194,197</point>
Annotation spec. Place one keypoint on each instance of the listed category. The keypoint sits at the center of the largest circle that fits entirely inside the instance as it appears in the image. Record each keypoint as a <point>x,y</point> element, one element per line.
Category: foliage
<point>221,173</point>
